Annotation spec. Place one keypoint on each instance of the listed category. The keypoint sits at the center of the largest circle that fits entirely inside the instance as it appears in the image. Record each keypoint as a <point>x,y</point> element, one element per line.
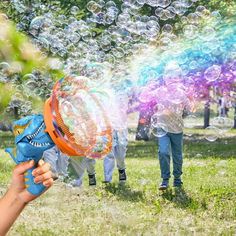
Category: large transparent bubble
<point>212,73</point>
<point>211,133</point>
<point>224,124</point>
<point>159,130</point>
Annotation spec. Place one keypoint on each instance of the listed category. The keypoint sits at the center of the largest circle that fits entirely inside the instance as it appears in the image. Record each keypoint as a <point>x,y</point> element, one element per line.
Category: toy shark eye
<point>17,130</point>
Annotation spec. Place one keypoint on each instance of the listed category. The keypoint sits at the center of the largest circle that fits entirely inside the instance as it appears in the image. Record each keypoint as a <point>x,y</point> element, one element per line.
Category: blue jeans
<point>175,143</point>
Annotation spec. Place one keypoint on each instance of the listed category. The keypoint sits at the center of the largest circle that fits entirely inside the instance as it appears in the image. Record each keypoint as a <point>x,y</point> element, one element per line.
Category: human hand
<point>42,174</point>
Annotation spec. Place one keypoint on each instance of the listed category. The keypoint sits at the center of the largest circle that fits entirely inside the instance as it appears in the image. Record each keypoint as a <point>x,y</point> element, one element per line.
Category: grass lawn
<point>206,205</point>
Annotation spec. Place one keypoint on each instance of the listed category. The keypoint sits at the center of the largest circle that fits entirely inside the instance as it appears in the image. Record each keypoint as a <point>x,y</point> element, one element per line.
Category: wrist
<point>15,198</point>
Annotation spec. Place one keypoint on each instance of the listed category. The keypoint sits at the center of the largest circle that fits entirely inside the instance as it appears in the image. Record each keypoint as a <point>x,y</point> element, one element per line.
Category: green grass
<point>206,205</point>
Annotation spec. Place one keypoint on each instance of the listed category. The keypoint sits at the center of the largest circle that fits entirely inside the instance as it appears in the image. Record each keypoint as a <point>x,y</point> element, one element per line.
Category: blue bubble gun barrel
<point>31,141</point>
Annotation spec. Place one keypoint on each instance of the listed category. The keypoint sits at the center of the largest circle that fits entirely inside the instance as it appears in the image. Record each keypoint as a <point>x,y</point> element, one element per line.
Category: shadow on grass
<point>181,199</point>
<point>124,192</point>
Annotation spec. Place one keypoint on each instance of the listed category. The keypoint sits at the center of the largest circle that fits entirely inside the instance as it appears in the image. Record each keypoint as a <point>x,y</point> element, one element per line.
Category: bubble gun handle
<point>32,187</point>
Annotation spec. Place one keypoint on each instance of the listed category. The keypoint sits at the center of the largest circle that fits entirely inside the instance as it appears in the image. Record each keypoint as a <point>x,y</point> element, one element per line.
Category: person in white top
<point>172,100</point>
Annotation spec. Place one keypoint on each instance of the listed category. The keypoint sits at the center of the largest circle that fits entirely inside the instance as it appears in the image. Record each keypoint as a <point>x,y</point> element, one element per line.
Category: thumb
<point>23,167</point>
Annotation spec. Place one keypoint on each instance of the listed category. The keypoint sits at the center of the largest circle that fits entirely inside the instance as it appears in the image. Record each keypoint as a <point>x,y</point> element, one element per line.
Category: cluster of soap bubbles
<point>4,72</point>
<point>37,84</point>
<point>19,106</point>
<point>200,65</point>
<point>218,128</point>
<point>79,40</point>
<point>103,12</point>
<point>26,88</point>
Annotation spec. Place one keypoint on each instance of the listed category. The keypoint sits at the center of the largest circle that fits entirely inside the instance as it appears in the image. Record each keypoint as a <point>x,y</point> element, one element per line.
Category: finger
<point>48,183</point>
<point>41,169</point>
<point>43,177</point>
<point>23,167</point>
<point>41,162</point>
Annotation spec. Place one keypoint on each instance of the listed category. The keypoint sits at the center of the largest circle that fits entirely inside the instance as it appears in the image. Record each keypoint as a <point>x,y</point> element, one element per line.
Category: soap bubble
<point>159,130</point>
<point>39,24</point>
<point>97,72</point>
<point>110,4</point>
<point>111,33</point>
<point>74,10</point>
<point>190,31</point>
<point>155,120</point>
<point>224,124</point>
<point>30,77</point>
<point>94,7</point>
<point>208,33</point>
<point>141,1</point>
<point>163,3</point>
<point>180,7</point>
<point>211,133</point>
<point>163,14</point>
<point>212,73</point>
<point>118,52</point>
<point>4,71</point>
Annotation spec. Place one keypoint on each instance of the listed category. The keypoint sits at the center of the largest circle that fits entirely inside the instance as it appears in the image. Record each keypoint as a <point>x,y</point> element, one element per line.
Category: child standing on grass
<point>170,108</point>
<point>118,153</point>
<point>79,166</point>
<point>119,120</point>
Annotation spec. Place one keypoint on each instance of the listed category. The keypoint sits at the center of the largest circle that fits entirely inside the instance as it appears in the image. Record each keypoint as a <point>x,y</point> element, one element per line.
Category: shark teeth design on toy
<point>35,144</point>
<point>31,136</point>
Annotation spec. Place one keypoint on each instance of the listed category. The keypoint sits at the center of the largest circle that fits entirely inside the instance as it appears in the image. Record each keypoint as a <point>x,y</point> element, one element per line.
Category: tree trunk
<point>16,112</point>
<point>207,114</point>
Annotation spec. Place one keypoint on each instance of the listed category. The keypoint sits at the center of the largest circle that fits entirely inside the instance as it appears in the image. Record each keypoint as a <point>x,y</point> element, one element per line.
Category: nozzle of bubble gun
<point>10,151</point>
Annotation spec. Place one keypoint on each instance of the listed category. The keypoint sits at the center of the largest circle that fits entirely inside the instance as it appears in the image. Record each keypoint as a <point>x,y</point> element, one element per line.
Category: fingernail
<point>34,172</point>
<point>32,162</point>
<point>41,162</point>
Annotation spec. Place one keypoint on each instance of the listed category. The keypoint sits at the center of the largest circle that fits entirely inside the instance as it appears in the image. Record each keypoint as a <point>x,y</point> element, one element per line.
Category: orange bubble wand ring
<point>64,138</point>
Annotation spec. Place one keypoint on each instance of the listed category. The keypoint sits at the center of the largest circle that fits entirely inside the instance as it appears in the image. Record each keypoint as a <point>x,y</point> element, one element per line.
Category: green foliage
<point>22,58</point>
<point>16,49</point>
<point>6,92</point>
